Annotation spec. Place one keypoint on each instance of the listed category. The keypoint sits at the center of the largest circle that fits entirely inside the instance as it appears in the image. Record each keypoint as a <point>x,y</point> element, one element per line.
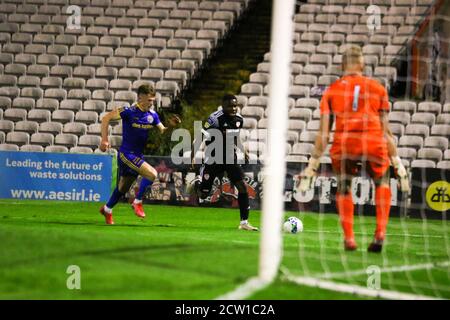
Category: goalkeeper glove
<point>401,173</point>
<point>308,175</point>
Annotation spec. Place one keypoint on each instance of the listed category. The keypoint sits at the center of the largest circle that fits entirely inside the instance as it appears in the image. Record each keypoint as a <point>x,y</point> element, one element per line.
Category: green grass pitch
<point>197,253</point>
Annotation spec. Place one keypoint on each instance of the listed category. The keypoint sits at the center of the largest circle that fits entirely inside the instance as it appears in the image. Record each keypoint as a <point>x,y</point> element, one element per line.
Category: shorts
<point>129,163</point>
<point>346,157</point>
<point>210,172</point>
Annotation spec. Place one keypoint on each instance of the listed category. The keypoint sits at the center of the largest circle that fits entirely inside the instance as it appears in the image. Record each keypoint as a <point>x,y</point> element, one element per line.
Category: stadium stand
<point>57,81</point>
<point>325,29</point>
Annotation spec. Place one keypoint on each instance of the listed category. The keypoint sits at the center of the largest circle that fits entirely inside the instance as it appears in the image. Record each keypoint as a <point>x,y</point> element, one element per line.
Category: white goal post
<point>275,162</point>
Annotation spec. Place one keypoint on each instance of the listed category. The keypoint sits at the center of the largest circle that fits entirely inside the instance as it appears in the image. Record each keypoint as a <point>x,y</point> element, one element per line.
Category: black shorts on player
<point>209,172</point>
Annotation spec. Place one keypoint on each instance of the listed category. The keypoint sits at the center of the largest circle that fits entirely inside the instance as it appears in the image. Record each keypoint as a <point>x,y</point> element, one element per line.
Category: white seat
<point>310,103</point>
<point>417,129</point>
<point>251,89</point>
<point>57,149</point>
<point>430,142</point>
<point>423,164</point>
<point>76,128</point>
<point>411,142</point>
<point>441,130</point>
<point>408,106</point>
<point>17,138</point>
<point>423,118</point>
<point>433,107</point>
<point>9,147</point>
<point>445,164</point>
<point>31,148</point>
<point>399,117</point>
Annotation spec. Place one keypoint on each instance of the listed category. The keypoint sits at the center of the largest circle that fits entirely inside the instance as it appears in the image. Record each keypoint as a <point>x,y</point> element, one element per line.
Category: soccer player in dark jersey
<point>137,120</point>
<point>228,122</point>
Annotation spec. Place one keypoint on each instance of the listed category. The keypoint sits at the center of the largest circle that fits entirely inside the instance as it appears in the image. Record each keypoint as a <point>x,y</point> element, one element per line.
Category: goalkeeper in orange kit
<point>360,107</point>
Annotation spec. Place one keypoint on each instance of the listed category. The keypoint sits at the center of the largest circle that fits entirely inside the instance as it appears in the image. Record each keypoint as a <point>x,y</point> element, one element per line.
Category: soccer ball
<point>293,225</point>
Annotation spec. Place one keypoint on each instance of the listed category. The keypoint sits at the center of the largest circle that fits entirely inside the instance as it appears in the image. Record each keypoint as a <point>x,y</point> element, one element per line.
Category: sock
<point>383,206</point>
<point>142,187</point>
<point>344,203</point>
<point>137,201</point>
<point>244,221</point>
<point>107,209</point>
<point>244,206</point>
<point>115,197</point>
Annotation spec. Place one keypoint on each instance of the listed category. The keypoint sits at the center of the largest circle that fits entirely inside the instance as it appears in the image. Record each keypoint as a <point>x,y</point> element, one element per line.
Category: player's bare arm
<point>400,169</point>
<point>112,115</point>
<point>173,121</point>
<point>307,175</point>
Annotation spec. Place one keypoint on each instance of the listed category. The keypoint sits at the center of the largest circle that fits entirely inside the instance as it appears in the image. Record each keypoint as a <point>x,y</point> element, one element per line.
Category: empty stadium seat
<point>443,119</point>
<point>411,142</point>
<point>430,154</point>
<point>66,139</point>
<point>9,147</point>
<point>167,87</point>
<point>17,138</point>
<point>407,153</point>
<point>81,150</point>
<point>399,117</point>
<point>431,107</point>
<point>57,149</point>
<point>76,128</point>
<point>87,117</point>
<point>437,142</point>
<point>446,107</point>
<point>447,155</point>
<point>441,130</point>
<point>303,149</point>
<point>417,129</point>
<point>31,148</point>
<point>71,104</point>
<point>50,127</point>
<point>26,126</point>
<point>445,164</point>
<point>254,112</point>
<point>310,103</point>
<point>423,118</point>
<point>15,114</point>
<point>91,141</point>
<point>115,141</point>
<point>408,106</point>
<point>39,115</point>
<point>42,139</point>
<point>423,164</point>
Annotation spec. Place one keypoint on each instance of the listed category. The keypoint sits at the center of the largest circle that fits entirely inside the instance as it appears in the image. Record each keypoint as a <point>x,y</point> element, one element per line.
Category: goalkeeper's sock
<point>145,183</point>
<point>115,197</point>
<point>345,208</point>
<point>383,206</point>
<point>244,206</point>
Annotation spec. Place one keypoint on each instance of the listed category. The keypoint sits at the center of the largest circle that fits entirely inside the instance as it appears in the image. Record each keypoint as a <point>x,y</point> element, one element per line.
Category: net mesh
<point>412,62</point>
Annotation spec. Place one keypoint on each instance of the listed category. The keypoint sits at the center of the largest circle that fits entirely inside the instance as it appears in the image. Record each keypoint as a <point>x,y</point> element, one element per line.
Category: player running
<point>360,107</point>
<point>228,122</point>
<point>137,120</point>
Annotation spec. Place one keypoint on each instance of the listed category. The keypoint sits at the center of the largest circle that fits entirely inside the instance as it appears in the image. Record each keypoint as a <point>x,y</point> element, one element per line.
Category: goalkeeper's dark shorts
<point>209,172</point>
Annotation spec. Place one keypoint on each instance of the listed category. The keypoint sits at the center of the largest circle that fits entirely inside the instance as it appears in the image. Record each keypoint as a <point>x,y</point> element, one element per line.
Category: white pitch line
<point>404,268</point>
<point>353,289</point>
<point>245,290</point>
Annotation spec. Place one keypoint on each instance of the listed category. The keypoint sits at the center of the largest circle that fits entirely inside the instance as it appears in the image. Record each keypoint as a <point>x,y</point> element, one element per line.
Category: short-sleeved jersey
<point>135,127</point>
<point>228,126</point>
<point>356,102</point>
